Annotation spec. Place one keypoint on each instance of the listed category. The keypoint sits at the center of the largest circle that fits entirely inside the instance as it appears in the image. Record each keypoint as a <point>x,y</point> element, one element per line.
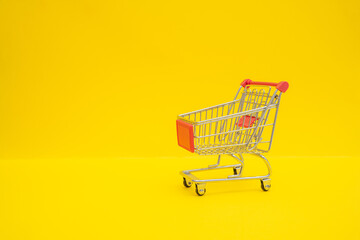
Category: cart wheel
<point>187,183</point>
<point>200,190</point>
<point>265,184</point>
<point>237,171</point>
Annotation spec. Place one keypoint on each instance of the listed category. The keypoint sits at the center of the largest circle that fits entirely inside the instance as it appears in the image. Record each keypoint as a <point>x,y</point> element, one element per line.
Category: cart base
<point>200,184</point>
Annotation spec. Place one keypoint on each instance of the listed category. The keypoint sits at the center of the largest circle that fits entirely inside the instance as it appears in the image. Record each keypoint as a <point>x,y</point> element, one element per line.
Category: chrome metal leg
<point>266,162</point>
<point>238,169</point>
<point>216,165</point>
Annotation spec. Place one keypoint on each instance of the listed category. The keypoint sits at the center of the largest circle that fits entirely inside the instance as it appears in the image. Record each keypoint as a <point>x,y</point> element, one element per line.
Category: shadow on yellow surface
<point>143,198</point>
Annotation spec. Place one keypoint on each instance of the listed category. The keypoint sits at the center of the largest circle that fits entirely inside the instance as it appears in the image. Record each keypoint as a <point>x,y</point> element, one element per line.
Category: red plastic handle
<point>281,86</point>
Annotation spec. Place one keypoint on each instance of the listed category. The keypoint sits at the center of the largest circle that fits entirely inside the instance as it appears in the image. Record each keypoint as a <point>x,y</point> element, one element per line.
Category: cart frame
<point>226,141</point>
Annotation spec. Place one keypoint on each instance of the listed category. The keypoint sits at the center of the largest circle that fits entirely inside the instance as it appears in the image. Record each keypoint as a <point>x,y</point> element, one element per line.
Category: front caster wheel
<point>265,184</point>
<point>200,190</point>
<point>187,183</point>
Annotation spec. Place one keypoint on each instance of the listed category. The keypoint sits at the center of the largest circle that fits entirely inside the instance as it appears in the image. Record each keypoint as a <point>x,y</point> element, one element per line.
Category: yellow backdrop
<point>89,94</point>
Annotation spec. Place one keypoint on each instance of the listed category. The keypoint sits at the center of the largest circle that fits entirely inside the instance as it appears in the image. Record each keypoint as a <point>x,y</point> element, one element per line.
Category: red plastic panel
<point>185,135</point>
<point>248,121</point>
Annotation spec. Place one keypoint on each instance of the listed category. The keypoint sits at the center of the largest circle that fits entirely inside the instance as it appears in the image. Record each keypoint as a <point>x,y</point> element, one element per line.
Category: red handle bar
<point>281,86</point>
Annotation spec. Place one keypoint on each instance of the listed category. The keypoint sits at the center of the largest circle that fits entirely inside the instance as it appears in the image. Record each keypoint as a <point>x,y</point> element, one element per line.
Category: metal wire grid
<point>218,129</point>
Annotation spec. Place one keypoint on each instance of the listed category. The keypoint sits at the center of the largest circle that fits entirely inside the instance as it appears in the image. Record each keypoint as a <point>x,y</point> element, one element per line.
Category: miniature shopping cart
<point>244,125</point>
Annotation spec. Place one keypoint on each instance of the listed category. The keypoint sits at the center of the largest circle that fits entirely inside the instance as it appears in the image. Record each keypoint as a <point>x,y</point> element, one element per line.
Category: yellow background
<point>89,94</point>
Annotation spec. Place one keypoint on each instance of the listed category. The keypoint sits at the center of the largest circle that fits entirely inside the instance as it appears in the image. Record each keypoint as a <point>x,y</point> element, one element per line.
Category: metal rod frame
<point>218,131</point>
<point>189,176</point>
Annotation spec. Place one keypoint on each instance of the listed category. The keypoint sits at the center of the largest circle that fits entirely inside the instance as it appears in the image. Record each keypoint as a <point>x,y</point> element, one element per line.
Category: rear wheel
<point>187,183</point>
<point>200,190</point>
<point>265,184</point>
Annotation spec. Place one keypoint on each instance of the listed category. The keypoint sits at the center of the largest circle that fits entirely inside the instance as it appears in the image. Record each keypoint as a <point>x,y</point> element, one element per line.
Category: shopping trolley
<point>243,126</point>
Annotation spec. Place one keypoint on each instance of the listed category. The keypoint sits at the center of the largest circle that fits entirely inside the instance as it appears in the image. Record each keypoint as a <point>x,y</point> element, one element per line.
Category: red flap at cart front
<point>247,121</point>
<point>185,135</point>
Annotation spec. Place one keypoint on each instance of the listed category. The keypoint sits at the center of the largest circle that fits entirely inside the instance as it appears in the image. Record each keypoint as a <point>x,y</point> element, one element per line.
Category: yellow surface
<point>310,198</point>
<point>89,94</point>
